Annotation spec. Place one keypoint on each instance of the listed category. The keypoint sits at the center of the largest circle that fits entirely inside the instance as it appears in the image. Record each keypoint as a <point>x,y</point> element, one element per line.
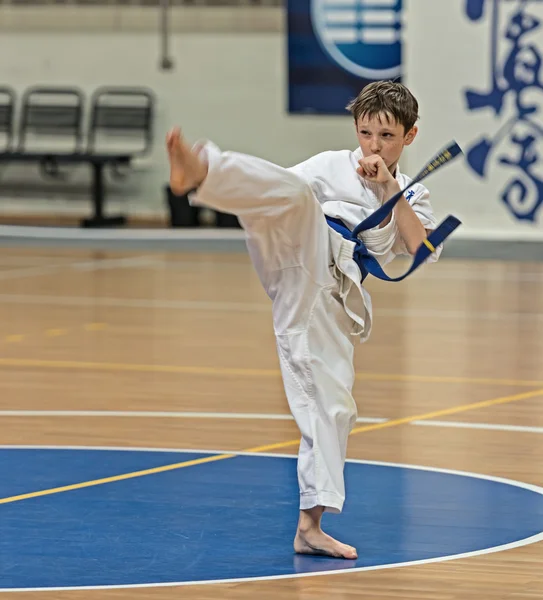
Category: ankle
<point>310,519</point>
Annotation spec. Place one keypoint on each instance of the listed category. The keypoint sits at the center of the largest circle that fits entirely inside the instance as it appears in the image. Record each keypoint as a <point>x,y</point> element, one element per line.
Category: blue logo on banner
<point>361,36</point>
<point>516,61</point>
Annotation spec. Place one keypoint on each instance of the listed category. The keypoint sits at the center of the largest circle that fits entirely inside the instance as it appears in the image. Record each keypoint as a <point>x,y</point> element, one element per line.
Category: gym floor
<point>146,442</point>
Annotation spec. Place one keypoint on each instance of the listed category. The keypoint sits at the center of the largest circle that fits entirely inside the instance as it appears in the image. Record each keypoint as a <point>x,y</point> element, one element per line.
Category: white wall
<point>228,87</point>
<point>442,61</point>
<point>232,87</point>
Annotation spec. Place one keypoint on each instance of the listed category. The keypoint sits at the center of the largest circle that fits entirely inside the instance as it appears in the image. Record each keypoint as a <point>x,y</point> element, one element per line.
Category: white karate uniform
<point>320,309</point>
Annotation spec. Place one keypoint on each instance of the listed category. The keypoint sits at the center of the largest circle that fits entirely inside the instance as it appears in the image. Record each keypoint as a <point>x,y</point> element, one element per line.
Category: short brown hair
<point>388,97</point>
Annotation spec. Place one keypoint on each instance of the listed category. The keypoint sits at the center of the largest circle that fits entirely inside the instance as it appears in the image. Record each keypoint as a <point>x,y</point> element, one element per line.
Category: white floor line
<point>31,271</point>
<point>33,261</point>
<point>249,416</point>
<point>158,235</point>
<point>488,274</point>
<point>86,265</point>
<point>488,426</point>
<point>428,313</point>
<point>160,415</point>
<point>134,303</point>
<point>130,262</point>
<point>197,305</point>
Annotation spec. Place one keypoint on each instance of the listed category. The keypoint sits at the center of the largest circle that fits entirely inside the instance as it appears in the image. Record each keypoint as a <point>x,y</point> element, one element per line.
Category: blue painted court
<point>232,519</point>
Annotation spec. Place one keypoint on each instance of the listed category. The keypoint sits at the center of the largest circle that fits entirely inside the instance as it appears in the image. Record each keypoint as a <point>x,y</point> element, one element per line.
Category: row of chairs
<point>63,119</point>
<point>59,127</point>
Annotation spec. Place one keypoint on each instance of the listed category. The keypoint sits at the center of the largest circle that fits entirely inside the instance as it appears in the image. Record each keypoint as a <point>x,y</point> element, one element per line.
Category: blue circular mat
<point>234,518</point>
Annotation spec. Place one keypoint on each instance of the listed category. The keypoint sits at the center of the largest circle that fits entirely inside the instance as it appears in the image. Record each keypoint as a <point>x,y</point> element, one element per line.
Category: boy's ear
<point>411,135</point>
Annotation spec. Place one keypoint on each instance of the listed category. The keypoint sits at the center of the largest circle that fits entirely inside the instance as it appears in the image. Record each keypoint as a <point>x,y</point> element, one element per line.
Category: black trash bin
<point>182,214</point>
<point>227,220</point>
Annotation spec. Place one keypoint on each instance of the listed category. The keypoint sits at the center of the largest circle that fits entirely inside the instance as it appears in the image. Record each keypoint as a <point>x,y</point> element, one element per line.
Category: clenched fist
<point>373,168</point>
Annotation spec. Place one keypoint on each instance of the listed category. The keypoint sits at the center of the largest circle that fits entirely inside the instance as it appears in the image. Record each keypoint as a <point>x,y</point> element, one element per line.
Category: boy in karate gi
<point>320,308</point>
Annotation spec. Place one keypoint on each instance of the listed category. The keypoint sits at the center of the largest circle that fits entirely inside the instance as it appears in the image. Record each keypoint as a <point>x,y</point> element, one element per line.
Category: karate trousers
<point>289,242</point>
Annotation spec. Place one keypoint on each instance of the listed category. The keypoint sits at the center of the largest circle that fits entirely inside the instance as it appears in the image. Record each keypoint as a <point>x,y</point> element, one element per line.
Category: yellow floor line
<point>267,447</point>
<point>241,372</point>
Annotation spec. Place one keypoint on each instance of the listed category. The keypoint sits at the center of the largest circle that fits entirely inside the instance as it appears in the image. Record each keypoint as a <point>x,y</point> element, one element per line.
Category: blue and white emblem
<point>514,93</point>
<point>361,36</point>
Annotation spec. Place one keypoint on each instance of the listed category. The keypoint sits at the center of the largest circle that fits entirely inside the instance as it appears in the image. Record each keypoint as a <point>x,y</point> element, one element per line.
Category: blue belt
<point>369,264</point>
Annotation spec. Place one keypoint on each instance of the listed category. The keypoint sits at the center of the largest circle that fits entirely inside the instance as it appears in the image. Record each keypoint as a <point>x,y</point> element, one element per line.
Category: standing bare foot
<point>311,539</point>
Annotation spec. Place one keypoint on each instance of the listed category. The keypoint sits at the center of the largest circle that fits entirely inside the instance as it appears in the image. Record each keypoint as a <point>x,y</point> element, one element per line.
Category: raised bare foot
<point>187,169</point>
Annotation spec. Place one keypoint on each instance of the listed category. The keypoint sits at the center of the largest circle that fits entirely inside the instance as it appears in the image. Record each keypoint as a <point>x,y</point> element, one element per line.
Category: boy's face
<point>384,137</point>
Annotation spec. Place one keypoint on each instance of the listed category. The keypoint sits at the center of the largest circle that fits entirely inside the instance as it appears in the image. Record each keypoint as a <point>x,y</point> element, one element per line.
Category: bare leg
<point>311,539</point>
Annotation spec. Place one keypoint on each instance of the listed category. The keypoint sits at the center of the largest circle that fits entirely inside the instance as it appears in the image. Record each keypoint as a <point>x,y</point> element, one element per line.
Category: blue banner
<point>336,47</point>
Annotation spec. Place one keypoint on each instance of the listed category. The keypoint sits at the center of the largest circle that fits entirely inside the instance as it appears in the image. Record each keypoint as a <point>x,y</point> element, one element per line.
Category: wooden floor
<point>108,331</point>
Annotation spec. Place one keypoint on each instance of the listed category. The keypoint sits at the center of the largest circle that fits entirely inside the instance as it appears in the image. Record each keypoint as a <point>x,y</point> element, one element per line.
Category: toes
<point>173,139</point>
<point>350,553</point>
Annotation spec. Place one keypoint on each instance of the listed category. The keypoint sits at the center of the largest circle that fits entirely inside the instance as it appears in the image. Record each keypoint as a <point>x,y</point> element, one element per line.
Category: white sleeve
<point>386,243</point>
<point>310,171</point>
<point>420,203</point>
